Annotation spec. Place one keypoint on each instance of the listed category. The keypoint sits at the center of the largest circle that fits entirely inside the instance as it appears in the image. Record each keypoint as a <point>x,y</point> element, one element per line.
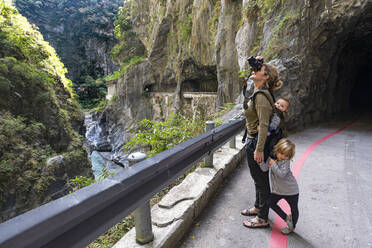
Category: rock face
<point>319,48</point>
<point>229,86</point>
<point>40,121</point>
<point>80,31</point>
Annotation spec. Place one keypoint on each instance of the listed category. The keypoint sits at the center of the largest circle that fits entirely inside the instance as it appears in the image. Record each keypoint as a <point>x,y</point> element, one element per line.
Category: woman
<point>258,114</point>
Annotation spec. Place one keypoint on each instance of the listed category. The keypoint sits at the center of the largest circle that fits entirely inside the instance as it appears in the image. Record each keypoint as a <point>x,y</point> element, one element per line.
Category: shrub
<point>158,136</point>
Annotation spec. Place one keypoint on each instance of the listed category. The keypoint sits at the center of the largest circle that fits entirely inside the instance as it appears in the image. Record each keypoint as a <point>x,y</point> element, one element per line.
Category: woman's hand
<point>258,156</point>
<point>260,58</point>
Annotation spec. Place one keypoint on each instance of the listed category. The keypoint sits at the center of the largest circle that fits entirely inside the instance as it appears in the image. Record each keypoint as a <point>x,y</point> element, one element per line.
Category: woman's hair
<point>286,147</point>
<point>273,82</point>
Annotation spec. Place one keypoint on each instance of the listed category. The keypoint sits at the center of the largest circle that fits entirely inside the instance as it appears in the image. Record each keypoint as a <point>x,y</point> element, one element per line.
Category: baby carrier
<point>275,133</point>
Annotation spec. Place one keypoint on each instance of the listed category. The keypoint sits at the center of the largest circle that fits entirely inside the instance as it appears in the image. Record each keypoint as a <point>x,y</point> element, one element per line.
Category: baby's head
<point>284,149</point>
<point>282,104</point>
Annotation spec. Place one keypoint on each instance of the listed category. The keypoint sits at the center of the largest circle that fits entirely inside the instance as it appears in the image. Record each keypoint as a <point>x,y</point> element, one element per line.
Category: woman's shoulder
<point>263,97</point>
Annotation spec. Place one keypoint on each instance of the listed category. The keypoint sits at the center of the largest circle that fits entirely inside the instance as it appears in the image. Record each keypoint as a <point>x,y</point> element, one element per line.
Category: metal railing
<point>77,219</point>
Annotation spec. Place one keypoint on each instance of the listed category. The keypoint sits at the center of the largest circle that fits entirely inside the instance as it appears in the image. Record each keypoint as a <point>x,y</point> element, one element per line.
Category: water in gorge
<point>99,149</point>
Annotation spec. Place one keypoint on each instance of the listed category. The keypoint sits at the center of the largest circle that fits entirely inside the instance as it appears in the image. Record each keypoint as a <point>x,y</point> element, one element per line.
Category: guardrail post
<point>209,125</point>
<point>142,215</point>
<point>232,143</point>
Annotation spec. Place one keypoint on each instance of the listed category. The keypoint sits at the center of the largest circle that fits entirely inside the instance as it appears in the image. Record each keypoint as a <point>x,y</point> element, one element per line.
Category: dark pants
<point>292,201</point>
<point>261,183</point>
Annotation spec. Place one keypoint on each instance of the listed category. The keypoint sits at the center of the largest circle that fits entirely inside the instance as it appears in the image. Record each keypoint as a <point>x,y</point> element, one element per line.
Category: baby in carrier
<point>282,106</point>
<point>275,129</point>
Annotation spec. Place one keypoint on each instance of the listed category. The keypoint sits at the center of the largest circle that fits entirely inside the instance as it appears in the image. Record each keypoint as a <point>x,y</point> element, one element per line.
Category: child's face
<point>282,156</point>
<point>282,105</point>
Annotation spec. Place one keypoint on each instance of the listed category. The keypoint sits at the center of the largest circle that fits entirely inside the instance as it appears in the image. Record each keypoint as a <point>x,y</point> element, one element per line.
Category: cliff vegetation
<point>82,34</point>
<point>40,119</point>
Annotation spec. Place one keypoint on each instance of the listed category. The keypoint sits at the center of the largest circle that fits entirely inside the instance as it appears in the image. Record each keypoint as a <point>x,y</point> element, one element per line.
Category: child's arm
<point>282,171</point>
<point>264,165</point>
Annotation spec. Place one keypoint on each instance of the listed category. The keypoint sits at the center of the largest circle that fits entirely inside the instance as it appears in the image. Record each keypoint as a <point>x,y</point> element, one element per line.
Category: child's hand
<point>271,162</point>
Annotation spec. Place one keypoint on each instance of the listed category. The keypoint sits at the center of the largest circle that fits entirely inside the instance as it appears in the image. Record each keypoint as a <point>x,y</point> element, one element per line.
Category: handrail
<point>77,219</point>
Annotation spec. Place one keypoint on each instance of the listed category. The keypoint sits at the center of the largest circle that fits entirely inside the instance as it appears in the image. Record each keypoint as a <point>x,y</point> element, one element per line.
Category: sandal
<point>286,230</point>
<point>250,212</point>
<point>256,223</point>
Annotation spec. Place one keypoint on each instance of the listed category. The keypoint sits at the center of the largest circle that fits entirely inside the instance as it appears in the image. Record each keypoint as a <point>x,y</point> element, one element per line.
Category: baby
<point>282,106</point>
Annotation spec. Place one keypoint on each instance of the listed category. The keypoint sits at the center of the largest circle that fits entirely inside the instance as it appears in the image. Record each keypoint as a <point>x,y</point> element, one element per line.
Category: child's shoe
<point>286,230</point>
<point>289,222</point>
<point>289,228</point>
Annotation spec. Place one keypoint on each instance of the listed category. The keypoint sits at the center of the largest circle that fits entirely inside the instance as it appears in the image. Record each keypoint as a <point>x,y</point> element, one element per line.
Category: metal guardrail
<point>77,219</point>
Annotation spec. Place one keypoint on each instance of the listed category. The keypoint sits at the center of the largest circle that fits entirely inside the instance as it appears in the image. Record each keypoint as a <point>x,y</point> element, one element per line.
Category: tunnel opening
<point>353,70</point>
<point>354,76</point>
<point>361,93</point>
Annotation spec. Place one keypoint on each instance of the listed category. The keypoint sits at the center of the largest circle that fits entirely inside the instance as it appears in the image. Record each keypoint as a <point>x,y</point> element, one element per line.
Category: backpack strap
<point>246,99</point>
<point>267,94</point>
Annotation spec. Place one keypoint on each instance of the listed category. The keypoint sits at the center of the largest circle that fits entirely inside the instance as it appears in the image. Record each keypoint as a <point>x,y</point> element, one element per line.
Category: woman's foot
<point>250,212</point>
<point>256,223</point>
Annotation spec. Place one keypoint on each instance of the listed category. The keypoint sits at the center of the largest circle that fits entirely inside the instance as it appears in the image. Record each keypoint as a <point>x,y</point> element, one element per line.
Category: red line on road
<point>278,240</point>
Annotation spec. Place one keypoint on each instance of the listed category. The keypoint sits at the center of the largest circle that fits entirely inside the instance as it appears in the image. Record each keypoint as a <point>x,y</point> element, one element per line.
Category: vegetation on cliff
<point>82,34</point>
<point>130,50</point>
<point>39,119</point>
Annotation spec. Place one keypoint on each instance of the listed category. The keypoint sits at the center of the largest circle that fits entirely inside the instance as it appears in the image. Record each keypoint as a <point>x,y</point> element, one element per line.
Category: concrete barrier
<point>175,213</point>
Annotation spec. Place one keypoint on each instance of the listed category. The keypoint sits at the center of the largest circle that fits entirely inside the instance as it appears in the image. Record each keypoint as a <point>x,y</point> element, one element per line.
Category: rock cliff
<point>40,121</point>
<point>319,47</point>
<point>201,45</point>
<point>80,31</point>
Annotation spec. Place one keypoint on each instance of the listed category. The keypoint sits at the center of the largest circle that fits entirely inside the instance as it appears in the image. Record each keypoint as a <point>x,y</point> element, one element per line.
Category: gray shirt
<point>282,181</point>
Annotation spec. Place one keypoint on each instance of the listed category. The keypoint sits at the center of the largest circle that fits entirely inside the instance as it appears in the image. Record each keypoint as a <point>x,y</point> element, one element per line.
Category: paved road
<point>335,196</point>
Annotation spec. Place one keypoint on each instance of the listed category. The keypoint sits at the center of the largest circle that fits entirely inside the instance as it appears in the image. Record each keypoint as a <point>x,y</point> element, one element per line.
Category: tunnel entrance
<point>354,75</point>
<point>353,70</point>
<point>361,94</point>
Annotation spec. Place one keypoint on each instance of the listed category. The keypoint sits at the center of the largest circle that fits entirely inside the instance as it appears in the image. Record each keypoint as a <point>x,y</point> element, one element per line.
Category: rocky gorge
<point>190,57</point>
<point>80,31</point>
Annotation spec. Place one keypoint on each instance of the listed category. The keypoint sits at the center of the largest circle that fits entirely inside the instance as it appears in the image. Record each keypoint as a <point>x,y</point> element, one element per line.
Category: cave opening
<point>354,75</point>
<point>354,68</point>
<point>361,93</point>
<point>200,85</point>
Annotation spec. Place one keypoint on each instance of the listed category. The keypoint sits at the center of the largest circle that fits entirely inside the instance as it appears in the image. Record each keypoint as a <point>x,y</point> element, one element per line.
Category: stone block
<point>190,188</point>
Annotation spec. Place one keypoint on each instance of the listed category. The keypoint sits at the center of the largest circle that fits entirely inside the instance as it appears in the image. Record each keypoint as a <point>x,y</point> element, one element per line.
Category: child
<point>282,183</point>
<point>282,106</point>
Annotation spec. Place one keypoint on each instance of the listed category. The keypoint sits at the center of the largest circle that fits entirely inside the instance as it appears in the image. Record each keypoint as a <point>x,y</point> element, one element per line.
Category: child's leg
<point>273,200</point>
<point>293,203</point>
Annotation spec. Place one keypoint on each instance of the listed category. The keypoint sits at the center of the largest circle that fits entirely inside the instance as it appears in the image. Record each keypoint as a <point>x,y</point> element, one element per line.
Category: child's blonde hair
<point>286,147</point>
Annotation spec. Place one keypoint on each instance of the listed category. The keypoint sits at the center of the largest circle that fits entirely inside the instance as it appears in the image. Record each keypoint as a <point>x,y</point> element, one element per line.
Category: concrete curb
<point>175,213</point>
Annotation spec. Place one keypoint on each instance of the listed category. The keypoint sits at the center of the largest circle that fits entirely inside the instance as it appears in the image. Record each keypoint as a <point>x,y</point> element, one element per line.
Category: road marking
<point>278,240</point>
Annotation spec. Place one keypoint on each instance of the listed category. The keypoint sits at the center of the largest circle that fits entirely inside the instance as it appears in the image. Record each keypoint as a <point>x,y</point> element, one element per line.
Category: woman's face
<point>259,77</point>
